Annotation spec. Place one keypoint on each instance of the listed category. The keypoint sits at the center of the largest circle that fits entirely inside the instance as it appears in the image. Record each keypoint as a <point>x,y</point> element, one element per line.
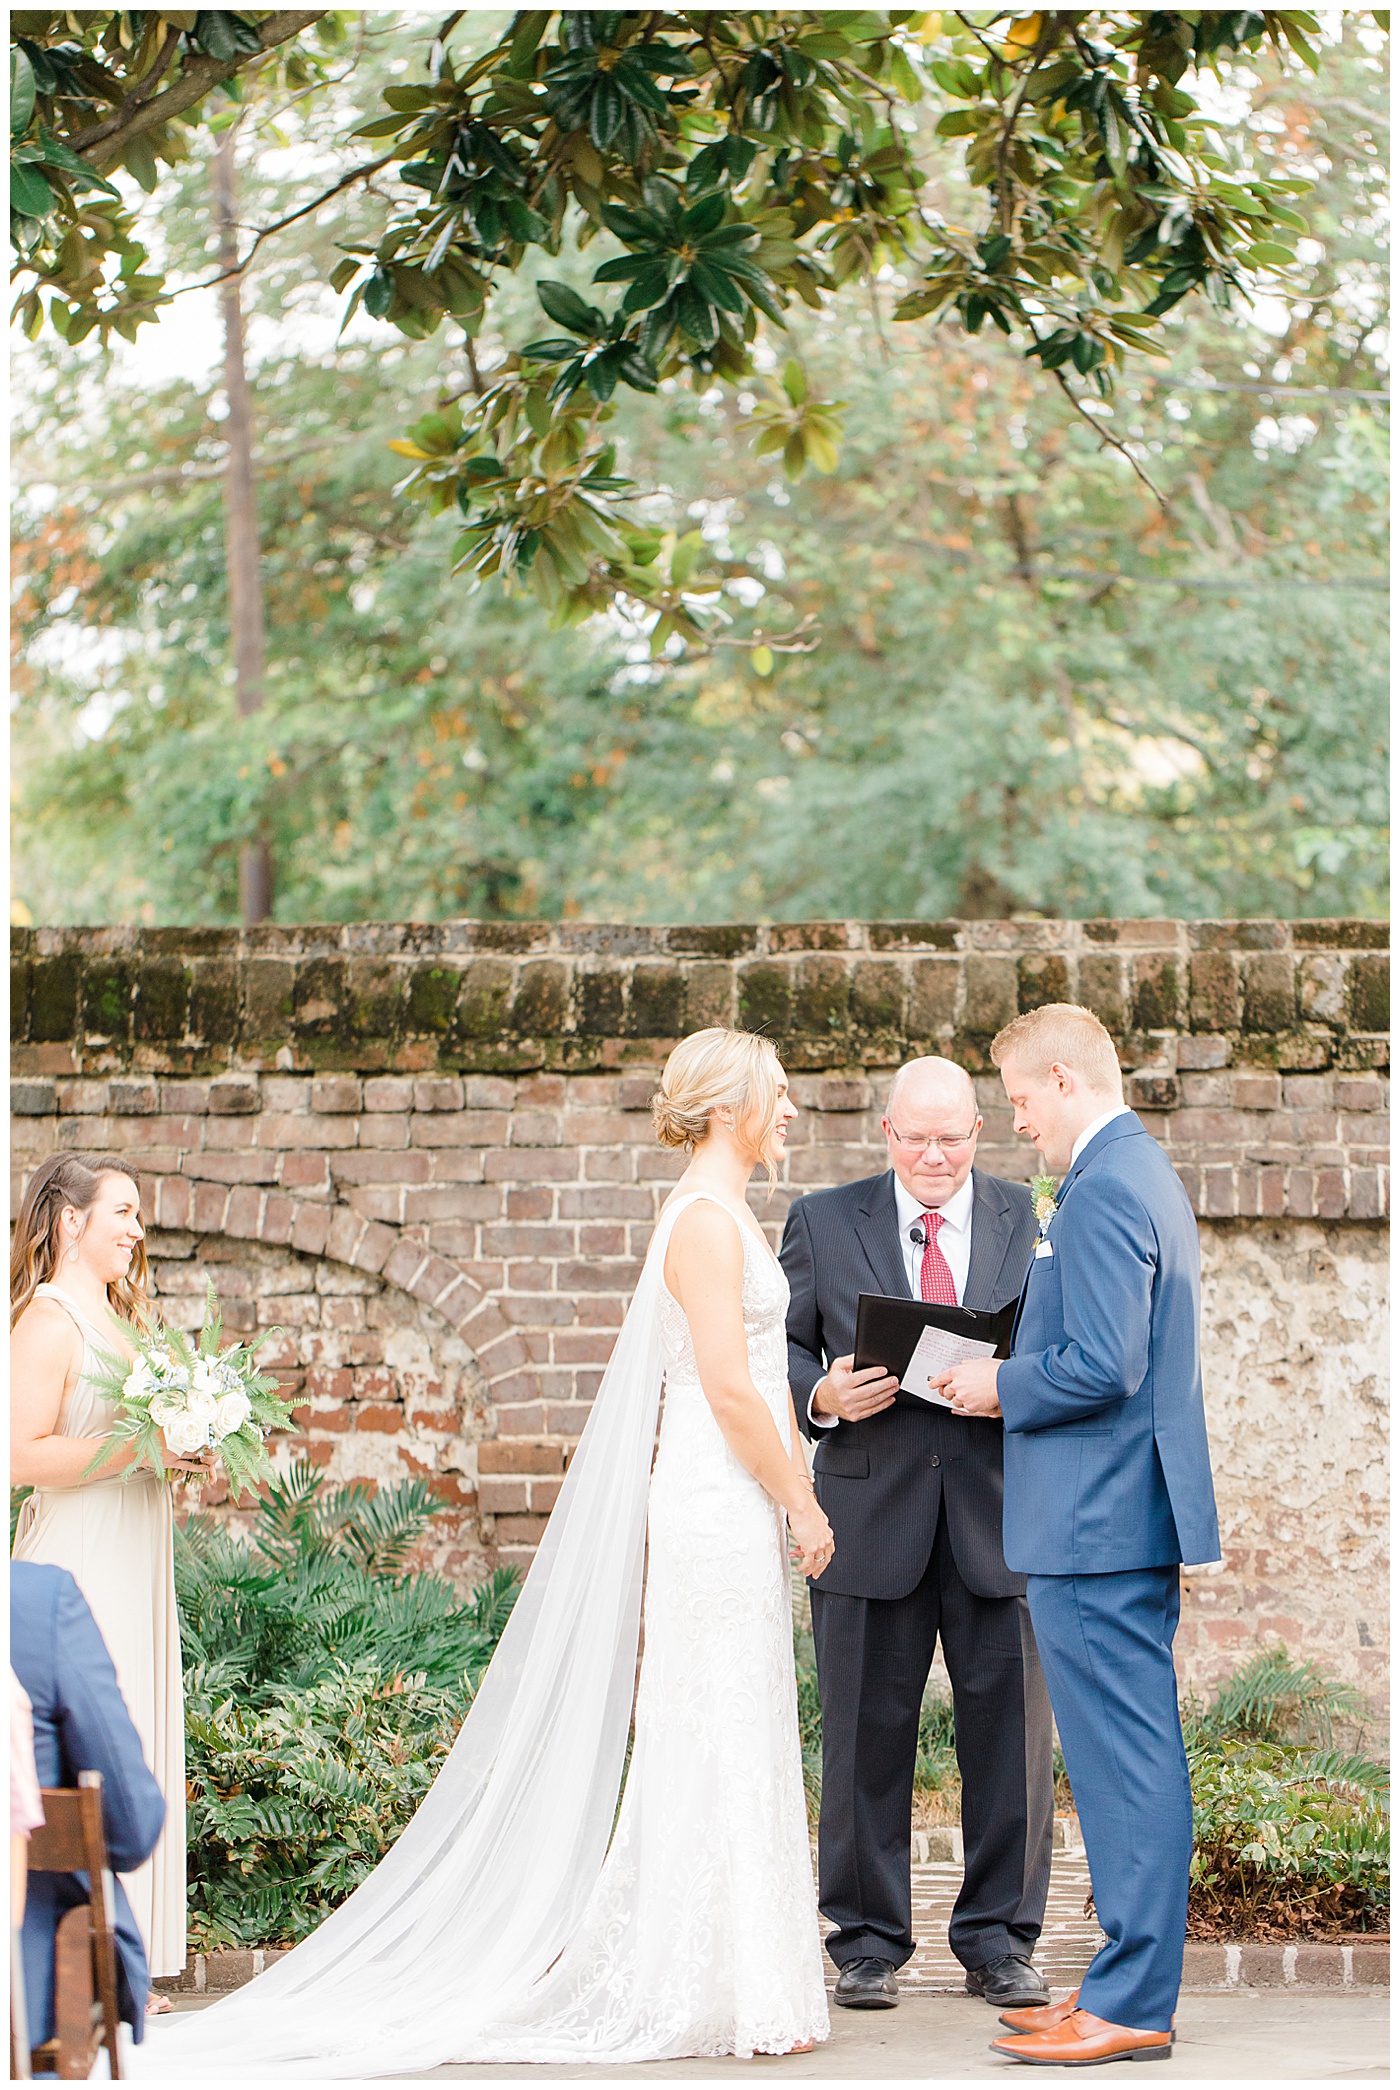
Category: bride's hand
<point>811,1535</point>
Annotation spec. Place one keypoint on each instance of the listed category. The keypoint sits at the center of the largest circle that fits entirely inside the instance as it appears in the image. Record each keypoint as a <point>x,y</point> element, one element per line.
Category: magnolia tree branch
<point>104,143</point>
<point>1113,442</point>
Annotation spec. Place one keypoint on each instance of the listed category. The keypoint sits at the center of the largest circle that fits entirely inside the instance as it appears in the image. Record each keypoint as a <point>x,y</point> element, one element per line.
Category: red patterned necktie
<point>935,1278</point>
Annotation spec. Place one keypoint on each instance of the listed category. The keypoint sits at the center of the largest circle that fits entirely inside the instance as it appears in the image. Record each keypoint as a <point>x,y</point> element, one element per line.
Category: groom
<point>914,1498</point>
<point>1108,1490</point>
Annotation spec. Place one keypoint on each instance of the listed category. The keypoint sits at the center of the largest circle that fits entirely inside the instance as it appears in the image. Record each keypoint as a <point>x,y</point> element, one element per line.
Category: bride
<point>523,1915</point>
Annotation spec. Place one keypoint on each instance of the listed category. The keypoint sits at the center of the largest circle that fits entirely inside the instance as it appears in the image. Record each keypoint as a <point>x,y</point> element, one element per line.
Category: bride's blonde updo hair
<point>733,1070</point>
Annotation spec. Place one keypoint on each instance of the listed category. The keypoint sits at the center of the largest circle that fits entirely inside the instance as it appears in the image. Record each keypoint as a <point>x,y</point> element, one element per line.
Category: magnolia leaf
<point>382,127</point>
<point>821,450</point>
<point>686,556</point>
<point>140,161</point>
<point>904,76</point>
<point>30,194</point>
<point>21,92</point>
<point>567,309</point>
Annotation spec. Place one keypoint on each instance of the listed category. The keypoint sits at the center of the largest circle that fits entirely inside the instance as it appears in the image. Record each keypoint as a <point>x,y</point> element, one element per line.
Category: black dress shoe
<point>867,1984</point>
<point>1009,1984</point>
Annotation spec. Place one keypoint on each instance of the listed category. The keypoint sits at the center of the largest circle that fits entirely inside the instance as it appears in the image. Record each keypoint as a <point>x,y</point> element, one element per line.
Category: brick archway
<point>315,1227</point>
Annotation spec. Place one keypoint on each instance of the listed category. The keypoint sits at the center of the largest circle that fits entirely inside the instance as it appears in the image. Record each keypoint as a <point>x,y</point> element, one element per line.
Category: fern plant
<point>319,1584</point>
<point>1292,1833</point>
<point>324,1684</point>
<point>1275,1697</point>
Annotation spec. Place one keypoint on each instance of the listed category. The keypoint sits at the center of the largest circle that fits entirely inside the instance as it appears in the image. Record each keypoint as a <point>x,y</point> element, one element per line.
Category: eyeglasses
<point>948,1144</point>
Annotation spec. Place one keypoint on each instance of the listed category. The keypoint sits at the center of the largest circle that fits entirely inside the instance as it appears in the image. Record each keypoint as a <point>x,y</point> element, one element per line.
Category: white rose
<point>200,1404</point>
<point>206,1375</point>
<point>185,1436</point>
<point>165,1407</point>
<point>231,1414</point>
<point>139,1381</point>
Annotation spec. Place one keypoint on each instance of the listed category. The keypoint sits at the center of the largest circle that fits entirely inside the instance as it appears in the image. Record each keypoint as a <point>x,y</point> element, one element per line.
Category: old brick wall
<point>425,1152</point>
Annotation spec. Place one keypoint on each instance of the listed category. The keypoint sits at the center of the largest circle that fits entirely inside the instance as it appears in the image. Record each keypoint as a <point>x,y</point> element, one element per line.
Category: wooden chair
<point>85,1946</point>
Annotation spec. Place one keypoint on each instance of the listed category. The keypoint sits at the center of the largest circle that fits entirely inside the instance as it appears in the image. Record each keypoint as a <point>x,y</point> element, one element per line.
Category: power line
<point>1210,384</point>
<point>1211,585</point>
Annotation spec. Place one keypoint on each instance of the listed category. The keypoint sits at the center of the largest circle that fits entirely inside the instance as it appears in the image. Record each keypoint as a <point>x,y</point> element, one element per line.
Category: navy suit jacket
<point>81,1723</point>
<point>883,1481</point>
<point>1107,1465</point>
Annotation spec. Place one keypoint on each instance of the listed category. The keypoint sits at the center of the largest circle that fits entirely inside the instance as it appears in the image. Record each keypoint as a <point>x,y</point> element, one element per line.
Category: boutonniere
<point>1043,1199</point>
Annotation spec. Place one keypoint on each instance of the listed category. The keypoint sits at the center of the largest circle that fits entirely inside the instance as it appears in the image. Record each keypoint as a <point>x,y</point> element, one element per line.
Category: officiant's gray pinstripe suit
<point>914,1499</point>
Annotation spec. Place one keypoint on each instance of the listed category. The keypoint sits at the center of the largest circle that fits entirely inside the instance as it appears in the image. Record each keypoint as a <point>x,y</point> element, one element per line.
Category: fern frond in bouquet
<point>194,1401</point>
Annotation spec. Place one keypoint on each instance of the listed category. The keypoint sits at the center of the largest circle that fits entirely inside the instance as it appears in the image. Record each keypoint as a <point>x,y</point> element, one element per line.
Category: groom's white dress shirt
<point>1119,1110</point>
<point>954,1238</point>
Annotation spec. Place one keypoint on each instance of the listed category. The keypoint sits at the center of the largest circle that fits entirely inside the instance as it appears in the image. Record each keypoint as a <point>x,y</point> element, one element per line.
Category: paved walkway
<point>1250,2036</point>
<point>1245,2038</point>
<point>940,2034</point>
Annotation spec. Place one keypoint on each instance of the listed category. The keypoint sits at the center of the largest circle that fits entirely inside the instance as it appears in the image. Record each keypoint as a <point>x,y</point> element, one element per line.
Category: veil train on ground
<point>484,1888</point>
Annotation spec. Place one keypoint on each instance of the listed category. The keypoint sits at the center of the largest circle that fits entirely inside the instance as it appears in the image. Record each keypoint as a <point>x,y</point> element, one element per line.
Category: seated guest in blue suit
<point>1108,1491</point>
<point>80,1724</point>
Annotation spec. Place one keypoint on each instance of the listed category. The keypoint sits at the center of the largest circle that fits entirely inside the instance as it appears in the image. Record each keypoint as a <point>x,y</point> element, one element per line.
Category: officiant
<point>914,1493</point>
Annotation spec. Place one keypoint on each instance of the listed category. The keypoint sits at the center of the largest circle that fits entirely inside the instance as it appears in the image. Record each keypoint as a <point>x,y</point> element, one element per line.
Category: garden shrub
<point>1292,1832</point>
<point>1289,1842</point>
<point>324,1686</point>
<point>292,1802</point>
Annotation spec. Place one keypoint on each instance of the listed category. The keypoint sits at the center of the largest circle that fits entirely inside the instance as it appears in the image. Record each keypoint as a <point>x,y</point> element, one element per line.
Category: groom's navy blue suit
<point>1108,1490</point>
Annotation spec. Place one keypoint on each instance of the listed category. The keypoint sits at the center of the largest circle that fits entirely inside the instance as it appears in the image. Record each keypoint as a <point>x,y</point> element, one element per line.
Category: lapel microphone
<point>916,1235</point>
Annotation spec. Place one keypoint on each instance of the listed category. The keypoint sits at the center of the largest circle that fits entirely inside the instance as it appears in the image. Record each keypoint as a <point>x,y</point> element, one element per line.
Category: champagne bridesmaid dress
<point>115,1538</point>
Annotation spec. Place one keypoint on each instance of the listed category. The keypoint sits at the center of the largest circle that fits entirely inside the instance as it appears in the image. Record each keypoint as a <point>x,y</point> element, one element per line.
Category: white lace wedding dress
<point>506,1926</point>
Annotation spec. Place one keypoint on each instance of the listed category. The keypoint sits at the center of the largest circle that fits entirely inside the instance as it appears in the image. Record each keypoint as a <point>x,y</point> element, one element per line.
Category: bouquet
<point>195,1401</point>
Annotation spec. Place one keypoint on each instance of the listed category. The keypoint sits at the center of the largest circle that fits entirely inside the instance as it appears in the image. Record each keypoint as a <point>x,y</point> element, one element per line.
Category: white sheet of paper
<point>938,1350</point>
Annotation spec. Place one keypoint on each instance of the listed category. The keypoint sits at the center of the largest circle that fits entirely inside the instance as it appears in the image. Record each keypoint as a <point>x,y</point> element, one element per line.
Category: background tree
<point>1034,689</point>
<point>245,594</point>
<point>740,161</point>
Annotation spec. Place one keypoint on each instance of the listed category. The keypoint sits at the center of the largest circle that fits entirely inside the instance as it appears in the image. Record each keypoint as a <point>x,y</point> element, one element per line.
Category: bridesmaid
<point>79,1259</point>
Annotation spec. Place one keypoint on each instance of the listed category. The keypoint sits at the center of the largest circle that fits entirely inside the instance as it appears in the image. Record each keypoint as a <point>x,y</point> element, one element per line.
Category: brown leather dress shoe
<point>1082,2040</point>
<point>1043,2017</point>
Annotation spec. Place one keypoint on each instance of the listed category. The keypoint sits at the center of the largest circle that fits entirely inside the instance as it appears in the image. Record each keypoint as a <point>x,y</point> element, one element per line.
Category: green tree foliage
<point>741,162</point>
<point>1035,688</point>
<point>324,1686</point>
<point>93,91</point>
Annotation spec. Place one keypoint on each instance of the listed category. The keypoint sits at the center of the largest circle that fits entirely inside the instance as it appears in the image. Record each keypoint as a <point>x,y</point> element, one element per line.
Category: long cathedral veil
<point>482,1891</point>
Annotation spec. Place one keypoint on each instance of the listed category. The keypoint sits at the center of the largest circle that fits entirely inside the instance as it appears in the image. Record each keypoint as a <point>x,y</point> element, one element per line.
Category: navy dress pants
<point>1106,1647</point>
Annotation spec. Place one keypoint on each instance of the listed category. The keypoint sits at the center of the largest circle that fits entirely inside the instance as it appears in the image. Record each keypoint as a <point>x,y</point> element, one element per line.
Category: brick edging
<point>1363,1964</point>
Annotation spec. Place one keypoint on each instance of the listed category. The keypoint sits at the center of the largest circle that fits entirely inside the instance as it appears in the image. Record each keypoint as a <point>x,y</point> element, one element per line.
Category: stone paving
<point>939,2039</point>
<point>1068,1941</point>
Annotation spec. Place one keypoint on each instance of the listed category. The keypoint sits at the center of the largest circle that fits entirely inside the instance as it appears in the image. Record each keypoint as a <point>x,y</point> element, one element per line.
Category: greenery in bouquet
<point>194,1400</point>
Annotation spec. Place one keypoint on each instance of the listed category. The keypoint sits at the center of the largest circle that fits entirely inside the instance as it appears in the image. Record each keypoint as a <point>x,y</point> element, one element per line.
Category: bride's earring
<point>72,1255</point>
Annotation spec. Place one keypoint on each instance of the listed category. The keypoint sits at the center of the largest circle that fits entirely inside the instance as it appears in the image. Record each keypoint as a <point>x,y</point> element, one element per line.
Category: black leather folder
<point>887,1331</point>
